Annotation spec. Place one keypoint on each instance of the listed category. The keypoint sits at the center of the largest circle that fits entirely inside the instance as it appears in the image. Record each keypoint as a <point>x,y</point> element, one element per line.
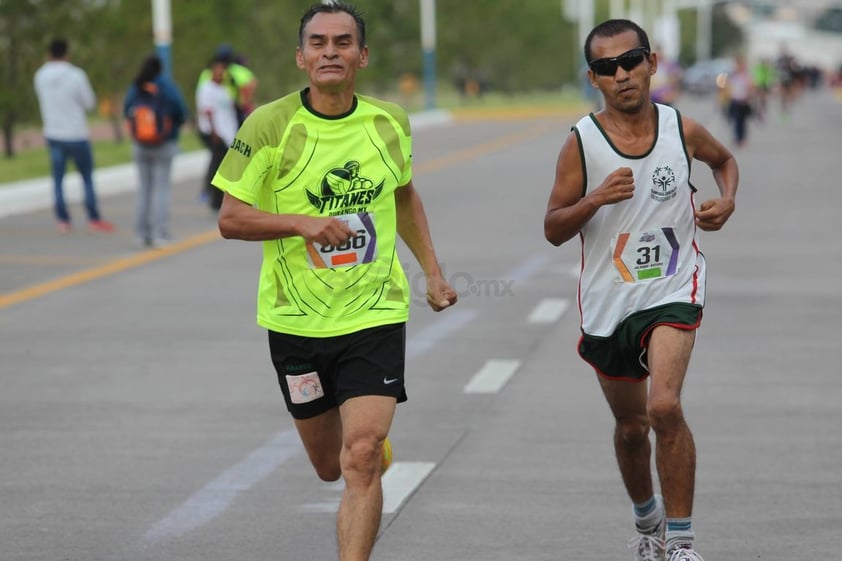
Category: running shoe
<point>650,544</point>
<point>100,226</point>
<point>63,227</point>
<point>684,554</point>
<point>387,456</point>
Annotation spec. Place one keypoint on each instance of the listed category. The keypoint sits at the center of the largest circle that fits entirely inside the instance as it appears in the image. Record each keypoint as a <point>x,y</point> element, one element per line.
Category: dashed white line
<point>215,497</point>
<point>549,310</point>
<point>399,482</point>
<point>210,501</point>
<point>493,376</point>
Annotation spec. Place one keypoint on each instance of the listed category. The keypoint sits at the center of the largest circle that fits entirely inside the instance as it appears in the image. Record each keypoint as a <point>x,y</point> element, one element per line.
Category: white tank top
<point>642,252</point>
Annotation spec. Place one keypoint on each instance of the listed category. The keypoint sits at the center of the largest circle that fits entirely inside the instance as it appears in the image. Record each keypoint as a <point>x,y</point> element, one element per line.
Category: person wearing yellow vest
<point>239,79</point>
<point>323,177</point>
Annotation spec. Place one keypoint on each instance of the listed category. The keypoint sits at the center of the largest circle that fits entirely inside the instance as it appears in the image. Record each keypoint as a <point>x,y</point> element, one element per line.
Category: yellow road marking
<point>517,113</point>
<point>49,260</point>
<point>126,263</point>
<point>110,268</point>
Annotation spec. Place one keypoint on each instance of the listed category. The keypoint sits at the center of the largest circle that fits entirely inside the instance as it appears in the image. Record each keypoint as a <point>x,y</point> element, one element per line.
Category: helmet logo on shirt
<point>663,184</point>
<point>343,190</point>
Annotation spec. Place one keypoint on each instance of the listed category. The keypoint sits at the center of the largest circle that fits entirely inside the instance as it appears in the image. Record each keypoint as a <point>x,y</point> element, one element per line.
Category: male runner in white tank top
<point>623,186</point>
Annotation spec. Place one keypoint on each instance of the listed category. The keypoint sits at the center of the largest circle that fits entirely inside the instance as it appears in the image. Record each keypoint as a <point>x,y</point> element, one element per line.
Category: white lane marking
<point>216,496</point>
<point>549,310</point>
<point>399,482</point>
<point>493,376</point>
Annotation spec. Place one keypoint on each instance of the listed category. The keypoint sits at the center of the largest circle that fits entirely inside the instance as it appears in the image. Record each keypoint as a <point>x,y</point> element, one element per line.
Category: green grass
<point>35,162</point>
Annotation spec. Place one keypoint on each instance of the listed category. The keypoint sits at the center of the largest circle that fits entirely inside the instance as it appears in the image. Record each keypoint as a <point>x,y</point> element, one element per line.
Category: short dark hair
<point>58,47</point>
<point>332,7</point>
<point>612,27</point>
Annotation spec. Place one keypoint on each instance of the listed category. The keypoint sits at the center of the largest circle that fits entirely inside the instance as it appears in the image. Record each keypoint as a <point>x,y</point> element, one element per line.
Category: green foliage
<point>727,36</point>
<point>508,46</point>
<point>830,20</point>
<point>35,162</point>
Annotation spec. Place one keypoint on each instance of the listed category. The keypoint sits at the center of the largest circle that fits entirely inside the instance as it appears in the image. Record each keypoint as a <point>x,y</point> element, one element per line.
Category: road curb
<point>36,194</point>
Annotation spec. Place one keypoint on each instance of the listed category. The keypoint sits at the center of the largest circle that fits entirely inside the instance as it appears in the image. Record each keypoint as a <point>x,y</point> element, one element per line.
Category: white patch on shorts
<point>305,388</point>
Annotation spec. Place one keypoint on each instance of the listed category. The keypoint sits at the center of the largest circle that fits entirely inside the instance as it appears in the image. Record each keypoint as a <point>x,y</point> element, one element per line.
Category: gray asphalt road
<point>141,419</point>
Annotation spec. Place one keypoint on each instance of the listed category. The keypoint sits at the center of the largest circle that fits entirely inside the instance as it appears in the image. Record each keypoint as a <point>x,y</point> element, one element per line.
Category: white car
<point>706,76</point>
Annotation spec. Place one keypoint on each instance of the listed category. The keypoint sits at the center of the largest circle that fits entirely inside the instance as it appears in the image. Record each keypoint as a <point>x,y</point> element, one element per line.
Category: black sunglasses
<point>627,60</point>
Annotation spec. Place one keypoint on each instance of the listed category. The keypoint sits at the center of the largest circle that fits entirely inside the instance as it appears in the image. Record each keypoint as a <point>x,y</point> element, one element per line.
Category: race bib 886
<point>361,248</point>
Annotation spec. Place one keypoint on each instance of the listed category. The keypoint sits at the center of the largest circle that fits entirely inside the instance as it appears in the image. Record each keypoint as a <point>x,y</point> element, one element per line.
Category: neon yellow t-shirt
<point>289,159</point>
<point>236,76</point>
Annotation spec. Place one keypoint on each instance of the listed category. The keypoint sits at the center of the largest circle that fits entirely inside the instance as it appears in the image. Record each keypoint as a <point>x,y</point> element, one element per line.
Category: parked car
<point>707,76</point>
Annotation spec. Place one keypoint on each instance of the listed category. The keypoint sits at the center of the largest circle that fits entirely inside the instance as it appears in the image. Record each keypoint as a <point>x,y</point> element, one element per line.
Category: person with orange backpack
<point>154,111</point>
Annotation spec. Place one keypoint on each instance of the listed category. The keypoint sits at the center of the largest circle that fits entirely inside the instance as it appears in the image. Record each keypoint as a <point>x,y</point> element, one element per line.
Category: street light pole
<point>618,9</point>
<point>162,31</point>
<point>704,22</point>
<point>428,48</point>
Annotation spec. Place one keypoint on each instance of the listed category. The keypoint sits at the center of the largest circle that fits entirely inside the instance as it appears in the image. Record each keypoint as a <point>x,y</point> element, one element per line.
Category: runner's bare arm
<point>239,220</point>
<point>568,210</point>
<point>415,232</point>
<point>701,145</point>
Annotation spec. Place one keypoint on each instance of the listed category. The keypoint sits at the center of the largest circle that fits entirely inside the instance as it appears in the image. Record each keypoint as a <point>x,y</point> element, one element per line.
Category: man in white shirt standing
<point>218,124</point>
<point>65,97</point>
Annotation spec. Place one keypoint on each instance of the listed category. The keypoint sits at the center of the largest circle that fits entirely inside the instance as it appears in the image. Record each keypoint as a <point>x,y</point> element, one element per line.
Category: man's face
<point>626,90</point>
<point>331,53</point>
<point>218,72</point>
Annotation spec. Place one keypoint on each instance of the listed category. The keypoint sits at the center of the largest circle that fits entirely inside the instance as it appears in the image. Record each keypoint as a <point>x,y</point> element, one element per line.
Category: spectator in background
<point>787,69</point>
<point>763,74</point>
<point>238,79</point>
<point>665,86</point>
<point>154,156</point>
<point>216,117</point>
<point>65,96</point>
<point>740,94</point>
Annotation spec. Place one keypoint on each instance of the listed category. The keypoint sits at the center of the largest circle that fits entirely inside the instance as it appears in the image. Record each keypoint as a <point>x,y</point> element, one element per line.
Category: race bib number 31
<point>361,248</point>
<point>645,255</point>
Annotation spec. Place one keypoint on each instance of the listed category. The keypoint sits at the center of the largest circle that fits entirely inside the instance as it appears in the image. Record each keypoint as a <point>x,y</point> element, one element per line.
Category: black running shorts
<point>317,374</point>
<point>622,355</point>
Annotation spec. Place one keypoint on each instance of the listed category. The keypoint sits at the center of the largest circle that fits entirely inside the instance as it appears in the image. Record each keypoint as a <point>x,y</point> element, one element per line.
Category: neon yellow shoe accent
<point>387,456</point>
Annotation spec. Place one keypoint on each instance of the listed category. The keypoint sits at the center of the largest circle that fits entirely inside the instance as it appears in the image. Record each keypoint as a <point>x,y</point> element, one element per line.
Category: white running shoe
<point>684,554</point>
<point>650,544</point>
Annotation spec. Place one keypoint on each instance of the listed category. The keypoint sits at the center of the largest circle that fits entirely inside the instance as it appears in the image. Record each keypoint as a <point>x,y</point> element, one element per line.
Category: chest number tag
<point>361,248</point>
<point>645,255</point>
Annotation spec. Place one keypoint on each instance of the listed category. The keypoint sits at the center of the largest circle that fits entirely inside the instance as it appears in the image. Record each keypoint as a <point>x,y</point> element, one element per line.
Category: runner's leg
<point>366,421</point>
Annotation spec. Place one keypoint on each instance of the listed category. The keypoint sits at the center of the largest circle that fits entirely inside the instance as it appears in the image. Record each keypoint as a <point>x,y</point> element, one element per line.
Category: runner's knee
<point>327,469</point>
<point>632,431</point>
<point>361,457</point>
<point>664,412</point>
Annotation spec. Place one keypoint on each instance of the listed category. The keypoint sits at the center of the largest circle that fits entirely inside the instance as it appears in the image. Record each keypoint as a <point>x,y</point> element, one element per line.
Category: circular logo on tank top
<point>663,184</point>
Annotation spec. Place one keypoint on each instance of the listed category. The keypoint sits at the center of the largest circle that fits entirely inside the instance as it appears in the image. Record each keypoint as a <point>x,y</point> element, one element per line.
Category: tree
<point>830,20</point>
<point>22,48</point>
<point>509,45</point>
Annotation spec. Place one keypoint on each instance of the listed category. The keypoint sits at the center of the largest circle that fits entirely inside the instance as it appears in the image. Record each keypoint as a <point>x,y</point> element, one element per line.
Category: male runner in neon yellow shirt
<point>324,178</point>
